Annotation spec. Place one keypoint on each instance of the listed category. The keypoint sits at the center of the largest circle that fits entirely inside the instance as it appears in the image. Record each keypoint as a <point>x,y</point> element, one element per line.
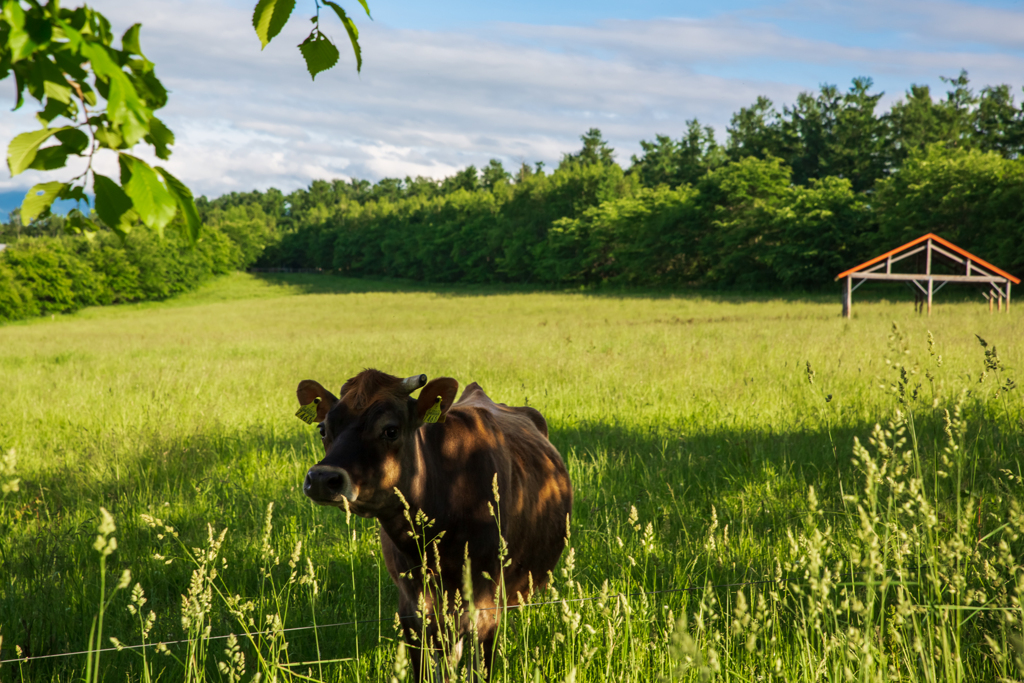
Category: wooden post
<point>929,281</point>
<point>848,297</point>
<point>989,296</point>
<point>1007,296</point>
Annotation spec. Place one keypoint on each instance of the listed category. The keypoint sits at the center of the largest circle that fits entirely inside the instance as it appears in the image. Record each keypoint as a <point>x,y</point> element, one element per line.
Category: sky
<point>450,83</point>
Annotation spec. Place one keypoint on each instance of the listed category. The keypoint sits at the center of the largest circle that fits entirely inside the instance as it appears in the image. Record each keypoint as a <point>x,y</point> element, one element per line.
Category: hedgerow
<point>50,274</point>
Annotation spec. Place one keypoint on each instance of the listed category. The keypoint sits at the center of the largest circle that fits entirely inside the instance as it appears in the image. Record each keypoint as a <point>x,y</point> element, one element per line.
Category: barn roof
<point>937,240</point>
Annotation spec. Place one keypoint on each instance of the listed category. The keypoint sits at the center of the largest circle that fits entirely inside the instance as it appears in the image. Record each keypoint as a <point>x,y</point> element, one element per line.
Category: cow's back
<point>533,483</point>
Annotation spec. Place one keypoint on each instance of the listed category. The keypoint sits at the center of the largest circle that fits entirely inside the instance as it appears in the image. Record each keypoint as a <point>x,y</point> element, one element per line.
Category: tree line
<point>792,196</point>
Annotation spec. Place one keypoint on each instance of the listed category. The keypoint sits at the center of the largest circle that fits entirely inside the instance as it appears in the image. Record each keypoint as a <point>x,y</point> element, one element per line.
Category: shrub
<point>46,274</point>
<point>106,256</point>
<point>16,300</point>
<point>60,281</point>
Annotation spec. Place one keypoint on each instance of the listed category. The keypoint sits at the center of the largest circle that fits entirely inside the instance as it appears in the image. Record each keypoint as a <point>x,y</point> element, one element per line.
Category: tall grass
<point>763,490</point>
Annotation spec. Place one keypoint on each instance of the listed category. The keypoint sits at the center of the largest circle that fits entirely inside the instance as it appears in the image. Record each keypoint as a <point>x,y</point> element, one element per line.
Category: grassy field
<point>712,441</point>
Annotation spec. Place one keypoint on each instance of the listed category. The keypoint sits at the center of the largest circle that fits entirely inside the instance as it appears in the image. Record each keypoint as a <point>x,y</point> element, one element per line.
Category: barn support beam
<point>907,254</point>
<point>930,288</point>
<point>940,277</point>
<point>848,298</point>
<point>998,298</point>
<point>950,255</point>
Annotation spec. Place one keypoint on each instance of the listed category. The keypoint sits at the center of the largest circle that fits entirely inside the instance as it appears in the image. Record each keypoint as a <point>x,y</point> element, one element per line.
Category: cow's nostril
<point>324,484</point>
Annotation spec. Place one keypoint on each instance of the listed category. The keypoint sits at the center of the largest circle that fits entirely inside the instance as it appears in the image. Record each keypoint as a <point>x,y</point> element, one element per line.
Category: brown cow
<point>387,462</point>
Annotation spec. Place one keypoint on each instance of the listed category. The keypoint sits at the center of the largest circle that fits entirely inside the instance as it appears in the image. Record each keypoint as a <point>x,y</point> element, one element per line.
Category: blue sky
<point>451,83</point>
<point>470,15</point>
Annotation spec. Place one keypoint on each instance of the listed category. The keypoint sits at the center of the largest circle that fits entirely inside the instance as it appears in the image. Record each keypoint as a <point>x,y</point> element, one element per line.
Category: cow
<point>428,469</point>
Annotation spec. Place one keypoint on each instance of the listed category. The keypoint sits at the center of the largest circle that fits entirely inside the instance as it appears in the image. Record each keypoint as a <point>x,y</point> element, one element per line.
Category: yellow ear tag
<point>434,414</point>
<point>307,413</point>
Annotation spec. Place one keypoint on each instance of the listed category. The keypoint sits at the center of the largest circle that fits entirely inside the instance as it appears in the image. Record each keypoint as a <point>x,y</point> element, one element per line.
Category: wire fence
<point>167,643</point>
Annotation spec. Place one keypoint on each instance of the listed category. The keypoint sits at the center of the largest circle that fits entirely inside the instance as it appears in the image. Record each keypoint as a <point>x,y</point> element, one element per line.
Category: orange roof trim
<point>946,243</point>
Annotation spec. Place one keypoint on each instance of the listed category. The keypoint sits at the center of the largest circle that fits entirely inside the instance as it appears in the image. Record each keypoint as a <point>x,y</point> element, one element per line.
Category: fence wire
<point>250,634</point>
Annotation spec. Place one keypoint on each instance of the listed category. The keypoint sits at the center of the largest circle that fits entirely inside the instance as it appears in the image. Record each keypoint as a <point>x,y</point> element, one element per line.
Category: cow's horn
<point>411,384</point>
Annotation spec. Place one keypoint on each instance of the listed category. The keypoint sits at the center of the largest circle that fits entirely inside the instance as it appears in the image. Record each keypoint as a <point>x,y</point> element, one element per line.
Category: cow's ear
<point>309,390</point>
<point>446,388</point>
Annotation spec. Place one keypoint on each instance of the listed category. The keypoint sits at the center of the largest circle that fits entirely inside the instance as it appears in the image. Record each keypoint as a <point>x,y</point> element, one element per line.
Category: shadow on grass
<point>870,292</point>
<point>755,481</point>
<point>327,283</point>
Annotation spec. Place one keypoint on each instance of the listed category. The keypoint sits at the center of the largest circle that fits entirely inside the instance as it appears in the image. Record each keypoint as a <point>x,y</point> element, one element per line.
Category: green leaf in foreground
<point>39,199</point>
<point>113,206</point>
<point>74,140</point>
<point>183,196</point>
<point>19,42</point>
<point>23,148</point>
<point>319,53</point>
<point>50,158</point>
<point>366,7</point>
<point>55,84</point>
<point>161,137</point>
<point>350,27</point>
<point>269,18</point>
<point>154,204</point>
<point>130,40</point>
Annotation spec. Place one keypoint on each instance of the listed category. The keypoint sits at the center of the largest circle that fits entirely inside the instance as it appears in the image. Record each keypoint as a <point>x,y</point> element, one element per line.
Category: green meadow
<point>764,490</point>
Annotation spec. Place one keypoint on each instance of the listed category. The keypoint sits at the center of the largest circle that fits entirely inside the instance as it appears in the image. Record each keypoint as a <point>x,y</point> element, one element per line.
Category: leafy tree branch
<point>98,97</point>
<point>95,96</point>
<point>320,53</point>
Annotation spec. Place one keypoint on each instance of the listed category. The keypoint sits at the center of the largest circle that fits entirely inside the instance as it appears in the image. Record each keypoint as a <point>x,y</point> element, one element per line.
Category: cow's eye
<point>323,430</point>
<point>390,433</point>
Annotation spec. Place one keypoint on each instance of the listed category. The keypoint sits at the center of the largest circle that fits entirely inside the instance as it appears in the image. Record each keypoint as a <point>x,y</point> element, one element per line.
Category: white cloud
<point>924,24</point>
<point>428,103</point>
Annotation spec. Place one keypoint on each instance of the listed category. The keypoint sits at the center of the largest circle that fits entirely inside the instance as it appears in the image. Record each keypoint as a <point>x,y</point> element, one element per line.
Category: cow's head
<point>369,435</point>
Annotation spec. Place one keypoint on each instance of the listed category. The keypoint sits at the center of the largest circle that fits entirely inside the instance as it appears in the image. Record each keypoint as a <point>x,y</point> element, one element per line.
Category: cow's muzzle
<point>328,485</point>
